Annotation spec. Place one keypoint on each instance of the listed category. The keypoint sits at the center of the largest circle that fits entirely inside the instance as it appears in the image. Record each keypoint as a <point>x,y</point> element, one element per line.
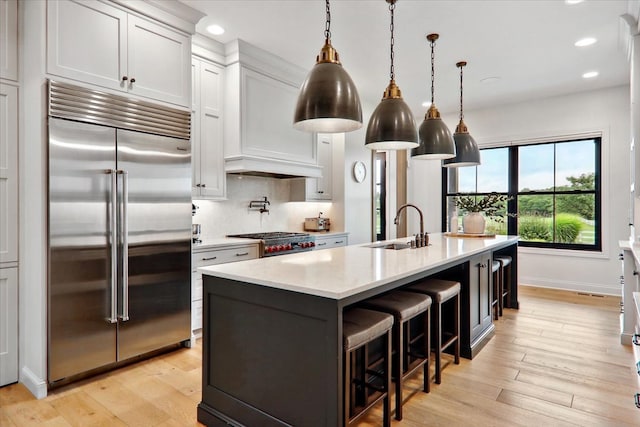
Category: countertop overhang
<point>341,272</point>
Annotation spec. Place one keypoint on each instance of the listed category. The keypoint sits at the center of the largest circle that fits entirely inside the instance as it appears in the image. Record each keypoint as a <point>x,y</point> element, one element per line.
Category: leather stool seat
<point>407,358</point>
<point>401,304</point>
<point>359,328</point>
<point>442,291</point>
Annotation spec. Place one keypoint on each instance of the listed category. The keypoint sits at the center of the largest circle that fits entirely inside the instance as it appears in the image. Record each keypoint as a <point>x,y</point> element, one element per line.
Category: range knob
<point>289,246</point>
<point>312,244</point>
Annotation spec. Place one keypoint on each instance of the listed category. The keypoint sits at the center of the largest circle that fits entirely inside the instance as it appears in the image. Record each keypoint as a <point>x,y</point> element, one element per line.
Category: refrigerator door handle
<point>124,233</point>
<point>113,212</point>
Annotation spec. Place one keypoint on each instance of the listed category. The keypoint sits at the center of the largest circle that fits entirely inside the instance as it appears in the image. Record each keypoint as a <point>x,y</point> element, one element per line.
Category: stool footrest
<point>448,340</point>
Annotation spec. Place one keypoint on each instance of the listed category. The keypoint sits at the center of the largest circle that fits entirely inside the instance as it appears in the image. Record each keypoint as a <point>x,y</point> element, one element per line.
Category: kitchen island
<point>272,332</point>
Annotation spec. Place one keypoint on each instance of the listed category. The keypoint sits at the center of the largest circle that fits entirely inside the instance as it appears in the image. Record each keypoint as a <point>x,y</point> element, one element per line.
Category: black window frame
<point>513,192</point>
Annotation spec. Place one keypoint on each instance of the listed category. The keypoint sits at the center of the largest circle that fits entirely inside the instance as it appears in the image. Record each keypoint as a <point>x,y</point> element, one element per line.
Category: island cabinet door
<point>479,295</point>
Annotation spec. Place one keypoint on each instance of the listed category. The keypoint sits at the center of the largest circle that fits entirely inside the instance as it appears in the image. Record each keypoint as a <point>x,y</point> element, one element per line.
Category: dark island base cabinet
<point>273,357</point>
<point>270,357</point>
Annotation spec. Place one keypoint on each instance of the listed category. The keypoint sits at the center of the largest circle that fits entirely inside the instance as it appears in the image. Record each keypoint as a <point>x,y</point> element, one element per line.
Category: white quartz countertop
<point>344,271</point>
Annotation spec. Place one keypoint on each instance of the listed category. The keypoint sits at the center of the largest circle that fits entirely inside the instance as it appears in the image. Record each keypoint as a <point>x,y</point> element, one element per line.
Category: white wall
<point>606,111</point>
<point>358,195</point>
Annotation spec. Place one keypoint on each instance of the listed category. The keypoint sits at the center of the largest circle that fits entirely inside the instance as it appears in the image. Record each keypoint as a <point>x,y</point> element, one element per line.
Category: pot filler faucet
<point>421,239</point>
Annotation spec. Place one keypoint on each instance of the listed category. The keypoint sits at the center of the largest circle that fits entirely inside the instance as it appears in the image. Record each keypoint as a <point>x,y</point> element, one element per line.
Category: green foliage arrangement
<point>534,228</point>
<point>568,227</point>
<point>493,205</point>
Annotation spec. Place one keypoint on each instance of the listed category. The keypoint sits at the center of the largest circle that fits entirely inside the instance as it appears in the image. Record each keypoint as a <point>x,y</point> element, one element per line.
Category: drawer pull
<point>243,254</point>
<point>209,259</point>
<point>637,399</point>
<point>322,244</point>
<point>638,367</point>
<point>339,242</point>
<point>636,339</point>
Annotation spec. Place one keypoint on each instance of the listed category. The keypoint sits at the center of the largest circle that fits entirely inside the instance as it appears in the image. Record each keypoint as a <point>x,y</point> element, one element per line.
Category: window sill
<point>563,252</point>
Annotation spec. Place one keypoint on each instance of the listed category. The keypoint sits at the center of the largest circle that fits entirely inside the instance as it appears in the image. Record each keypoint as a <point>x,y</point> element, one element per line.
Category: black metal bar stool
<point>440,292</point>
<point>505,280</point>
<point>408,355</point>
<point>361,327</point>
<point>496,280</point>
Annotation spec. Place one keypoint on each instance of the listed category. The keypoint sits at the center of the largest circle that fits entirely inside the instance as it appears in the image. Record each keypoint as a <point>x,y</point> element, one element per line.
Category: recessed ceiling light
<point>487,80</point>
<point>590,75</point>
<point>216,30</point>
<point>587,41</point>
<point>573,1</point>
<point>426,104</point>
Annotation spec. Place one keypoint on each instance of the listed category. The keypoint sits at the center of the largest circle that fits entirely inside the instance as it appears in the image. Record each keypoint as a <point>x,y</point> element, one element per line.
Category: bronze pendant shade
<point>467,152</point>
<point>435,137</point>
<point>391,126</point>
<point>328,100</point>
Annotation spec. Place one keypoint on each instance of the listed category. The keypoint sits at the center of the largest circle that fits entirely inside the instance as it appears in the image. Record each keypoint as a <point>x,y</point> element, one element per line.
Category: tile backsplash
<point>233,216</point>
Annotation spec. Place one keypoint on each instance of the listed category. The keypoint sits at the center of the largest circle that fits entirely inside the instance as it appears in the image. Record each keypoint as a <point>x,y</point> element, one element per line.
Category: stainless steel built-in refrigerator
<point>119,230</point>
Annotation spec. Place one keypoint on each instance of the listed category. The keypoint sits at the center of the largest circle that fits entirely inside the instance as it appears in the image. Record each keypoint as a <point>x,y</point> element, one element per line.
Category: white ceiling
<point>528,44</point>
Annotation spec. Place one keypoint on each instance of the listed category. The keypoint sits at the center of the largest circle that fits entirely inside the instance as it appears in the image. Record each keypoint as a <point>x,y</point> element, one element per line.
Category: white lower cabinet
<point>331,241</point>
<point>205,257</point>
<point>8,325</point>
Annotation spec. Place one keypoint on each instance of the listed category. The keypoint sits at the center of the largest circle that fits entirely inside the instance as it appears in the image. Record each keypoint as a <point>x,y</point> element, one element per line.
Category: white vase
<point>473,223</point>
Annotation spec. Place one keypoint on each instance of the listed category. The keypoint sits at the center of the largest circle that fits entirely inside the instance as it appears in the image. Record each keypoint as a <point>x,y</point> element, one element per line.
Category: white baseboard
<point>37,386</point>
<point>591,288</point>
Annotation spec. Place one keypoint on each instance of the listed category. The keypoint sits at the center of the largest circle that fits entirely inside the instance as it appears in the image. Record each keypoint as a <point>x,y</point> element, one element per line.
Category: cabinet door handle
<point>181,149</point>
<point>636,340</point>
<point>338,242</point>
<point>125,78</point>
<point>209,259</point>
<point>197,185</point>
<point>482,265</point>
<point>320,192</point>
<point>203,185</point>
<point>637,399</point>
<point>242,254</point>
<point>133,80</point>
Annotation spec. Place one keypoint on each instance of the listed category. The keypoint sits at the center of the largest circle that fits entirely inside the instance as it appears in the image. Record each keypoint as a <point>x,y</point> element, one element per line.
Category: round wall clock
<point>359,171</point>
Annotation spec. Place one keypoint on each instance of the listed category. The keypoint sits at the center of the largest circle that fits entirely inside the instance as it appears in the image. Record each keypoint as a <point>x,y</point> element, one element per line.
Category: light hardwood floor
<point>555,362</point>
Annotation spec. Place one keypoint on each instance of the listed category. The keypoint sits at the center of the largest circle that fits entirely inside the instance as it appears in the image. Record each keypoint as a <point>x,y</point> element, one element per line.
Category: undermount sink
<point>394,246</point>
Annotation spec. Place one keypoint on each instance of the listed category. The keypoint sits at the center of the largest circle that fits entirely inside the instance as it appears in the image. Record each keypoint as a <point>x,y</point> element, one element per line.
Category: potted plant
<point>492,205</point>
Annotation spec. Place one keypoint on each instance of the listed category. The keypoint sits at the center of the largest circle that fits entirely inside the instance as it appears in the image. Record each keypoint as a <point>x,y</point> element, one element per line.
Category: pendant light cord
<point>327,25</point>
<point>433,71</point>
<point>392,72</point>
<point>461,113</point>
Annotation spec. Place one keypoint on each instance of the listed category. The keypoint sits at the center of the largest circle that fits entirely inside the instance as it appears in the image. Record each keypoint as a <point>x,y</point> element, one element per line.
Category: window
<point>554,189</point>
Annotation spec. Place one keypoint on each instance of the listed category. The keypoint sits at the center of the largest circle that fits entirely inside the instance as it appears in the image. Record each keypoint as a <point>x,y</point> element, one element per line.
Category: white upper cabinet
<point>317,189</point>
<point>206,136</point>
<point>99,44</point>
<point>8,175</point>
<point>260,99</point>
<point>9,39</point>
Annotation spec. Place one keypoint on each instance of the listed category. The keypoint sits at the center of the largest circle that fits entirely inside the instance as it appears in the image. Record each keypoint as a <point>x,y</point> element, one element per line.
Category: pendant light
<point>391,126</point>
<point>467,152</point>
<point>328,100</point>
<point>435,138</point>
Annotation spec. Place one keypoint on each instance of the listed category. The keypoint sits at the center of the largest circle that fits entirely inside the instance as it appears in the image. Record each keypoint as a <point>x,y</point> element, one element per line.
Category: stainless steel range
<point>280,242</point>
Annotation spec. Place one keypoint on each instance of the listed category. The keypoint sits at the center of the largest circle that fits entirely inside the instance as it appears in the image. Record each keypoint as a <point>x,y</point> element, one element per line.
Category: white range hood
<point>261,91</point>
